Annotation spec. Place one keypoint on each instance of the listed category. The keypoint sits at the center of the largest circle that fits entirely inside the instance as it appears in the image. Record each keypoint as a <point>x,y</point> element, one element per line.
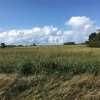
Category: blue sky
<point>28,14</point>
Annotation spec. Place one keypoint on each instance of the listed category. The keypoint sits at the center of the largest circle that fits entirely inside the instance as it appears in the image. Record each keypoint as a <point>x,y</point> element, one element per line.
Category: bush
<point>7,69</point>
<point>47,66</point>
<point>26,68</point>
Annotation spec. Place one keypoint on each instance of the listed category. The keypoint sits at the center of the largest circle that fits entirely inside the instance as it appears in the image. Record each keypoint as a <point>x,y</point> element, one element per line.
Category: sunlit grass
<point>76,59</point>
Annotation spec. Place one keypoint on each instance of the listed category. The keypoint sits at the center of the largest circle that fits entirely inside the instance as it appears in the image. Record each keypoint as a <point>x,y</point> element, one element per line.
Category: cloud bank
<point>80,28</point>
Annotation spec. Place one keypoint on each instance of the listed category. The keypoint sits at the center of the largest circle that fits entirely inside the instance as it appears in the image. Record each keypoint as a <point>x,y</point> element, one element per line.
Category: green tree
<point>3,45</point>
<point>92,36</point>
<point>94,40</point>
<point>34,44</point>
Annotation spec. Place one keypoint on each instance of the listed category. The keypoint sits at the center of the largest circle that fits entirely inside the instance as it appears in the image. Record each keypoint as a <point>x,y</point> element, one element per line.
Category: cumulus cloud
<point>79,21</point>
<point>45,35</point>
<point>80,28</point>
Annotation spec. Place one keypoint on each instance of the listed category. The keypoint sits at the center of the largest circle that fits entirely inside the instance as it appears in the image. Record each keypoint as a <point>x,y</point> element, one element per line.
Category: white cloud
<point>79,21</point>
<point>81,28</point>
<point>45,35</point>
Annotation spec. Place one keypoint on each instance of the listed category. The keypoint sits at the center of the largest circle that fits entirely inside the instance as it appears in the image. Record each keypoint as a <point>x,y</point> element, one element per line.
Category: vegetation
<point>50,59</point>
<point>34,44</point>
<point>2,45</point>
<point>94,39</point>
<point>26,68</point>
<point>50,87</point>
<point>69,72</point>
<point>69,43</point>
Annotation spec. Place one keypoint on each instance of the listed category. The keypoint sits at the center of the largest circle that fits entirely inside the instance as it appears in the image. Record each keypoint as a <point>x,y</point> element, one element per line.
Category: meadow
<point>50,73</point>
<point>70,60</point>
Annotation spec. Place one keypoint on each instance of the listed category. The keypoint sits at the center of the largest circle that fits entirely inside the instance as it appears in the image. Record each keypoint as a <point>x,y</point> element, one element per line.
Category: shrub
<point>79,69</point>
<point>47,66</point>
<point>7,69</point>
<point>26,68</point>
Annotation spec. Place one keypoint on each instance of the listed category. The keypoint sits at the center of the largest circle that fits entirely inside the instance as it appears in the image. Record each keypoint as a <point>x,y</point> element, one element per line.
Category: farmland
<point>48,72</point>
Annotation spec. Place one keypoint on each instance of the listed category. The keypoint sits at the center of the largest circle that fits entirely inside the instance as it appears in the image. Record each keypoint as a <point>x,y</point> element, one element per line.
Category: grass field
<point>51,59</point>
<point>50,73</point>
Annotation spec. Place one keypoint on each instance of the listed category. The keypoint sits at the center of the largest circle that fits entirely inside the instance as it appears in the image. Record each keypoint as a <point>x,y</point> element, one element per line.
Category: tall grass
<point>71,60</point>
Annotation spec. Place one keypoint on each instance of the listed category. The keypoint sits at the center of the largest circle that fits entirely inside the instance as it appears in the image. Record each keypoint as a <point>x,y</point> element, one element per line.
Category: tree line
<point>3,45</point>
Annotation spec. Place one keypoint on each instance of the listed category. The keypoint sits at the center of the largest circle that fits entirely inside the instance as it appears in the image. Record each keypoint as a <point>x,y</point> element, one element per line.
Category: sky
<point>48,21</point>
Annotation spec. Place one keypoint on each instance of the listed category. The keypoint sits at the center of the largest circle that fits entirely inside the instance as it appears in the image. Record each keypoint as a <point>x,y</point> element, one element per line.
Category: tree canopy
<point>2,45</point>
<point>94,39</point>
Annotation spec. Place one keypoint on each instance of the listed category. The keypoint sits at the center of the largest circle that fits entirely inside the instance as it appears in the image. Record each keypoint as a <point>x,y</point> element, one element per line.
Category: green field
<point>50,73</point>
<point>51,59</point>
